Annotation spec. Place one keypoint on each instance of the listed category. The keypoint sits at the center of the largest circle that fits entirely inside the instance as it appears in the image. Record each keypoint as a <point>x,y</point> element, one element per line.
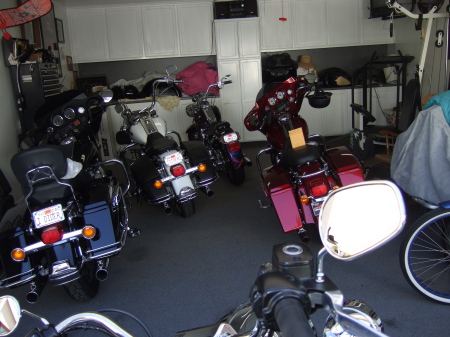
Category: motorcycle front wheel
<point>86,287</point>
<point>185,209</point>
<point>425,255</point>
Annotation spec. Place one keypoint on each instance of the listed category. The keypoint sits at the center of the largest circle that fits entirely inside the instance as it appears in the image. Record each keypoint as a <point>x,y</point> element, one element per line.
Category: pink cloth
<point>197,77</point>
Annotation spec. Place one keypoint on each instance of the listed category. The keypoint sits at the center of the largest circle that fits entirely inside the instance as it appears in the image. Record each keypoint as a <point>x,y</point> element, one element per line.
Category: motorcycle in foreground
<point>302,176</point>
<point>293,286</point>
<point>76,215</point>
<point>165,172</point>
<point>221,141</point>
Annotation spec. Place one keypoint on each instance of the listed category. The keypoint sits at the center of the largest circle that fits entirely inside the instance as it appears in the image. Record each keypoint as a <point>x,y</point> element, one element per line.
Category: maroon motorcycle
<point>301,177</point>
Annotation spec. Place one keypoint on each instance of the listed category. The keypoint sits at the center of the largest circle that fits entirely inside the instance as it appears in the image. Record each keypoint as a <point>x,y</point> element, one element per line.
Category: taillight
<point>52,234</point>
<point>318,189</point>
<point>234,147</point>
<point>177,170</point>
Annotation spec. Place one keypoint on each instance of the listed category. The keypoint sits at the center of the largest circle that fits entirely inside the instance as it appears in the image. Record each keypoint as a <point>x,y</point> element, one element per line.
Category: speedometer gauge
<point>57,120</point>
<point>281,94</point>
<point>69,113</point>
<point>272,100</point>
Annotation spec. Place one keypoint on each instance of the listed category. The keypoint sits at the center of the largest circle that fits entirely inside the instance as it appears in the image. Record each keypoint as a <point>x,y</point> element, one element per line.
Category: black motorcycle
<point>290,288</point>
<point>76,214</point>
<point>221,141</point>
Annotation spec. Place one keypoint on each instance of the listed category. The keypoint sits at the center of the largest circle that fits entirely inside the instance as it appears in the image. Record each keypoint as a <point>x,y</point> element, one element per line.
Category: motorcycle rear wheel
<point>86,287</point>
<point>425,255</point>
<point>186,209</point>
<point>236,175</point>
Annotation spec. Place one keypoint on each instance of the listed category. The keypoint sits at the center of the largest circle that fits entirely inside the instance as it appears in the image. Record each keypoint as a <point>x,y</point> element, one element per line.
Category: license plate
<point>48,216</point>
<point>316,207</point>
<point>231,137</point>
<point>173,159</point>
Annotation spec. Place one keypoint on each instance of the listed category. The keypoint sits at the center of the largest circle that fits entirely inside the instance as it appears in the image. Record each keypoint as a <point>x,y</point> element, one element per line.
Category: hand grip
<point>292,319</point>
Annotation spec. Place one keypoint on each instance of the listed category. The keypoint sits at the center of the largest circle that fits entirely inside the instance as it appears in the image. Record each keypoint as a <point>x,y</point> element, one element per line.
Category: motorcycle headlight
<point>190,110</point>
<point>357,309</point>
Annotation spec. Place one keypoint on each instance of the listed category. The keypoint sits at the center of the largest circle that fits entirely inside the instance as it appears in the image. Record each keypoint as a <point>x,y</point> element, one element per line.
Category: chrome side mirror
<point>9,315</point>
<point>358,218</point>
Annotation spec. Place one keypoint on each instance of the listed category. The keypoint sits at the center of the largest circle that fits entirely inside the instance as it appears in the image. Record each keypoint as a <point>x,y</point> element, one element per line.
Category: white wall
<point>9,125</point>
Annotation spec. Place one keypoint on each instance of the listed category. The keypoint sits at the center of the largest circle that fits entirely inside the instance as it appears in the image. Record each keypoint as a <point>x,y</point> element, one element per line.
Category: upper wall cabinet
<point>276,27</point>
<point>343,17</point>
<point>160,31</point>
<point>237,38</point>
<point>310,26</point>
<point>195,28</point>
<point>88,35</point>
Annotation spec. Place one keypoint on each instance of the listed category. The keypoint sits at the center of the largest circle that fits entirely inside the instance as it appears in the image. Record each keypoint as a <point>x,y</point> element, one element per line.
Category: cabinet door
<point>124,29</point>
<point>195,29</point>
<point>248,32</point>
<point>337,116</point>
<point>231,93</point>
<point>160,32</point>
<point>310,25</point>
<point>374,31</point>
<point>226,39</point>
<point>88,37</point>
<point>343,18</point>
<point>276,34</point>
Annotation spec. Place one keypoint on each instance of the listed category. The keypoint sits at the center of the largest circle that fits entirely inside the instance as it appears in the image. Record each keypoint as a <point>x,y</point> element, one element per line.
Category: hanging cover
<point>29,11</point>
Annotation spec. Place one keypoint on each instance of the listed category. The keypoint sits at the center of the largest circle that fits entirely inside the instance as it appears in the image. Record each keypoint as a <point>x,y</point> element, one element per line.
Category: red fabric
<point>30,10</point>
<point>197,77</point>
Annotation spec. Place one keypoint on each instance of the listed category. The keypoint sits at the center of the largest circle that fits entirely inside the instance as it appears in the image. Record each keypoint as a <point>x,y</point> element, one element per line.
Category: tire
<point>86,287</point>
<point>236,175</point>
<point>425,255</point>
<point>186,209</point>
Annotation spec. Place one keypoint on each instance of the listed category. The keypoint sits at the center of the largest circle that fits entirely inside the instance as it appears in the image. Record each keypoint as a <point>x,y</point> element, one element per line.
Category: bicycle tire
<point>425,255</point>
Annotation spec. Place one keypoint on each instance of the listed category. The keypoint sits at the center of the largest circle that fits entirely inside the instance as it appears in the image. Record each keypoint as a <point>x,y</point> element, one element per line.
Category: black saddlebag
<point>198,154</point>
<point>145,174</point>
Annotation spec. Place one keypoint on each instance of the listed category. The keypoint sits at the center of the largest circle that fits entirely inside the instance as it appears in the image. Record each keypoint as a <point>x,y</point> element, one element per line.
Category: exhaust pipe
<point>209,192</point>
<point>102,273</point>
<point>167,208</point>
<point>35,292</point>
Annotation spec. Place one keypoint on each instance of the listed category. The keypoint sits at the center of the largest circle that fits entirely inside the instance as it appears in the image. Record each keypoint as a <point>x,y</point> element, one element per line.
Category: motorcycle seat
<point>217,126</point>
<point>300,156</point>
<point>158,144</point>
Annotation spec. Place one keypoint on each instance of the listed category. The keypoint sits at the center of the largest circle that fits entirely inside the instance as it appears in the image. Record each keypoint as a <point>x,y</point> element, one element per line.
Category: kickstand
<point>261,205</point>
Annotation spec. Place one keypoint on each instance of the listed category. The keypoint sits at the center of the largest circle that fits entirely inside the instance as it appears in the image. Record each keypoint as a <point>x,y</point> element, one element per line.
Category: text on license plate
<point>231,137</point>
<point>173,159</point>
<point>48,216</point>
<point>316,207</point>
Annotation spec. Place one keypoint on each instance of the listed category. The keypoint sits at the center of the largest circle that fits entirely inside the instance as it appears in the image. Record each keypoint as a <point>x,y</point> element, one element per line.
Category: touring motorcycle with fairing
<point>76,214</point>
<point>304,170</point>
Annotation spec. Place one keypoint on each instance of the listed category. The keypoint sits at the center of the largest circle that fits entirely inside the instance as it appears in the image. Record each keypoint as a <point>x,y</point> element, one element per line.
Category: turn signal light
<point>201,168</point>
<point>335,187</point>
<point>304,199</point>
<point>18,254</point>
<point>234,147</point>
<point>52,234</point>
<point>88,232</point>
<point>177,170</point>
<point>158,184</point>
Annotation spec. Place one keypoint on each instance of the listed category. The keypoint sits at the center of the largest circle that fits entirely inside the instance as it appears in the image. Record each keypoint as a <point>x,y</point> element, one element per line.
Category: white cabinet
<point>160,31</point>
<point>276,32</point>
<point>88,35</point>
<point>310,25</point>
<point>343,17</point>
<point>195,28</point>
<point>237,38</point>
<point>124,29</point>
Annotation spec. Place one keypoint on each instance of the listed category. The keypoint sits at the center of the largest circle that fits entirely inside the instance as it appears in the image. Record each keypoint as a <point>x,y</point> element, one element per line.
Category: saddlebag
<point>198,154</point>
<point>145,174</point>
<point>277,186</point>
<point>342,161</point>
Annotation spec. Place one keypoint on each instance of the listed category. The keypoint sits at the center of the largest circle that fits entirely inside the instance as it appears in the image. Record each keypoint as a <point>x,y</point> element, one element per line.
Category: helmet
<point>278,68</point>
<point>329,77</point>
<point>426,5</point>
<point>131,91</point>
<point>319,99</point>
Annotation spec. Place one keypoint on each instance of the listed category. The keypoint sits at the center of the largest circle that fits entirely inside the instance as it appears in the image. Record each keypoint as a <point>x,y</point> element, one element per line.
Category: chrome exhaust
<point>167,208</point>
<point>209,192</point>
<point>102,270</point>
<point>35,292</point>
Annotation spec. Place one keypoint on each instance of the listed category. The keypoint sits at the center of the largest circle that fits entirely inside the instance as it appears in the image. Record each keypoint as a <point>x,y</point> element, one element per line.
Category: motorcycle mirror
<point>10,314</point>
<point>119,108</point>
<point>358,218</point>
<point>107,95</point>
<point>171,69</point>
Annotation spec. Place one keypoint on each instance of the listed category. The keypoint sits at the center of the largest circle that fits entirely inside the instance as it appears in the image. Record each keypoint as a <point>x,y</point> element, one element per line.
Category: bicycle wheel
<point>425,255</point>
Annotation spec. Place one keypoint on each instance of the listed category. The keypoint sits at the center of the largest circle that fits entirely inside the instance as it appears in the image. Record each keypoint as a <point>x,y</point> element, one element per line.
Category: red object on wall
<point>29,11</point>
